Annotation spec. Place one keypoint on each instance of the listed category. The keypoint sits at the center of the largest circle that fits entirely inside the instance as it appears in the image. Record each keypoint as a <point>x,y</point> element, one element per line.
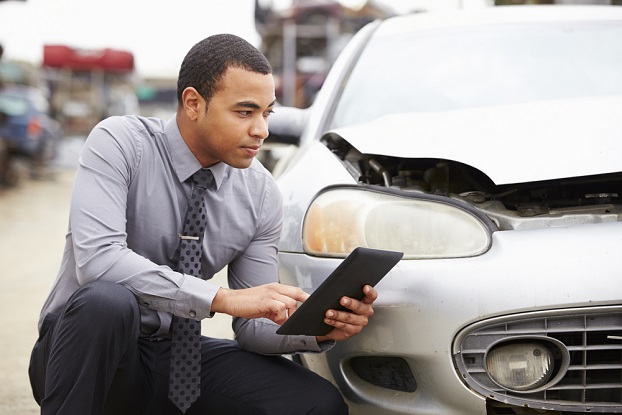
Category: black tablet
<point>364,266</point>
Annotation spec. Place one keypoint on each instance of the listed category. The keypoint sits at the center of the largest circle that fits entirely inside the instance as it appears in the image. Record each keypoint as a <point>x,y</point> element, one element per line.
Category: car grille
<point>589,381</point>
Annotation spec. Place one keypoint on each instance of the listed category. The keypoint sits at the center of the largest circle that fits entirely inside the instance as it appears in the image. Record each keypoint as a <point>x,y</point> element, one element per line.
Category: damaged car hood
<point>510,144</point>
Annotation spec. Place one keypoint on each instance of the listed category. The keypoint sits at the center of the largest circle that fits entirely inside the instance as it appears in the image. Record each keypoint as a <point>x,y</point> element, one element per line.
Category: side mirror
<point>287,124</point>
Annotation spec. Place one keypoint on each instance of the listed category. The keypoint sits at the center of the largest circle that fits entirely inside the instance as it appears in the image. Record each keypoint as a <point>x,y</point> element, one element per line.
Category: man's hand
<point>347,324</point>
<point>273,301</point>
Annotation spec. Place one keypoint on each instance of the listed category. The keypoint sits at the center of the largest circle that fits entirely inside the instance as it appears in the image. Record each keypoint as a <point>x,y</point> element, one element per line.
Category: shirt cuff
<point>194,298</point>
<point>309,344</point>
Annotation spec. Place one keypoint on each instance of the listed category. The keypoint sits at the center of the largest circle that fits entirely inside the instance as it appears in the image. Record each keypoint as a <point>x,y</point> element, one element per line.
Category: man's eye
<point>268,113</point>
<point>245,113</point>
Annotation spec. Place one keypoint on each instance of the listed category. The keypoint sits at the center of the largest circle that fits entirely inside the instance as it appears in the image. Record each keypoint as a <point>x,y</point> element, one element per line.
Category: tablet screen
<point>364,266</point>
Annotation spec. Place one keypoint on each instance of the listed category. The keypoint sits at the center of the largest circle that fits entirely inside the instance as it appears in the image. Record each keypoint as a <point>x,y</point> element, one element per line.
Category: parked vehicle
<point>5,173</point>
<point>485,145</point>
<point>28,130</point>
<point>88,85</point>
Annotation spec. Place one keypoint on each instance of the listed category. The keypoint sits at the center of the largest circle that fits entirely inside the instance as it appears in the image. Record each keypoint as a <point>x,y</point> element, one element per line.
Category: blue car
<point>26,128</point>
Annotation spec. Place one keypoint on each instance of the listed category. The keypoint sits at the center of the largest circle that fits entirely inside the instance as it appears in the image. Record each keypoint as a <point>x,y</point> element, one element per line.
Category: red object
<point>113,60</point>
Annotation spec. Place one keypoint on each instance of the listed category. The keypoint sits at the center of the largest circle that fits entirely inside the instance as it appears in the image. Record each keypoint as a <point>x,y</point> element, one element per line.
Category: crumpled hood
<point>510,144</point>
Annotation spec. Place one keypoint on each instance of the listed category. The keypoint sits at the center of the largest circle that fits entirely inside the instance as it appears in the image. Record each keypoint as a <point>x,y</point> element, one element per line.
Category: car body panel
<point>591,127</point>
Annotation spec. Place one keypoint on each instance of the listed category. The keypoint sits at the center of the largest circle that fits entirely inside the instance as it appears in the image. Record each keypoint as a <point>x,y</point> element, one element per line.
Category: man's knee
<point>329,402</point>
<point>105,306</point>
<point>320,396</point>
<point>73,365</point>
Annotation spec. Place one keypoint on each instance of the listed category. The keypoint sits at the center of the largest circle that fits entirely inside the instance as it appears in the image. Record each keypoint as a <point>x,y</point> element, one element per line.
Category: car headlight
<point>520,366</point>
<point>341,219</point>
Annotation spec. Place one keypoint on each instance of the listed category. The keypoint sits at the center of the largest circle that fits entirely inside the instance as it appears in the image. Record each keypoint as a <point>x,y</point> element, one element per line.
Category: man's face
<point>236,122</point>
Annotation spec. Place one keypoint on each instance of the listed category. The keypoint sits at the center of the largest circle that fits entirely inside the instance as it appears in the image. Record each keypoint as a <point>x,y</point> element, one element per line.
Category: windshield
<point>449,69</point>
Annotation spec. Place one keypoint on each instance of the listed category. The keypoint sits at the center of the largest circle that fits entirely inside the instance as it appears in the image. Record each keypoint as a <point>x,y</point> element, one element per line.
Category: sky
<point>157,32</point>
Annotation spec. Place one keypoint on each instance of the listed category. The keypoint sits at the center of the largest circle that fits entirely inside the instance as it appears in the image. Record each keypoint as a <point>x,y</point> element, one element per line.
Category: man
<point>105,330</point>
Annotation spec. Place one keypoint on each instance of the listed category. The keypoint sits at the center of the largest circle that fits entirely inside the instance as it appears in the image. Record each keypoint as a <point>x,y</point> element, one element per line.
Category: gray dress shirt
<point>129,200</point>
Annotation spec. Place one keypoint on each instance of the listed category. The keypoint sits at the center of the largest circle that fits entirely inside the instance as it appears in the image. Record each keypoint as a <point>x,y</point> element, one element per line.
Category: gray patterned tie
<point>185,371</point>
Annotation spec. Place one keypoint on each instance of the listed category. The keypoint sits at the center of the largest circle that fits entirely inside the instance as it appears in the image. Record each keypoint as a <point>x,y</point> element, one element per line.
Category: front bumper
<point>424,305</point>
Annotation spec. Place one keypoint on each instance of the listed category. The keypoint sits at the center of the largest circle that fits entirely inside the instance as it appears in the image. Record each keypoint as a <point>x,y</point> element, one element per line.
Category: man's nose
<point>259,128</point>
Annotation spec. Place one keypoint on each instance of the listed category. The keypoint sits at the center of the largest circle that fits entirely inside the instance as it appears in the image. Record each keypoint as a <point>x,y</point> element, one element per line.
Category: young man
<point>105,329</point>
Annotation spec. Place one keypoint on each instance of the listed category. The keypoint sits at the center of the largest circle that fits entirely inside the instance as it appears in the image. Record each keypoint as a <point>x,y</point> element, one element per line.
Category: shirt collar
<point>184,162</point>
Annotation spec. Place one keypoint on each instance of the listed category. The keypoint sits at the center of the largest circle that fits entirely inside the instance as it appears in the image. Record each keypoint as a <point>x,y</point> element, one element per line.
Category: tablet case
<point>364,266</point>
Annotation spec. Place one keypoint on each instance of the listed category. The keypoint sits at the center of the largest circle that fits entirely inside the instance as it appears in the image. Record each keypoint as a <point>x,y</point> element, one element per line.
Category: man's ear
<point>193,103</point>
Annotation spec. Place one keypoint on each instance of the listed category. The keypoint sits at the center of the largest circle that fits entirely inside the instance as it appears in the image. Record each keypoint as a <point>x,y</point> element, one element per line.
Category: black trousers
<point>91,360</point>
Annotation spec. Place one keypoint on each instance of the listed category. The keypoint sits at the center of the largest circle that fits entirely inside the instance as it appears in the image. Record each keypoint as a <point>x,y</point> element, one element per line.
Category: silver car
<point>487,146</point>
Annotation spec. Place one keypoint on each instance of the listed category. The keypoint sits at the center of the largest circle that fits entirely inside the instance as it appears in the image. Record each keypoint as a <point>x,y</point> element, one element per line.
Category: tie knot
<point>202,178</point>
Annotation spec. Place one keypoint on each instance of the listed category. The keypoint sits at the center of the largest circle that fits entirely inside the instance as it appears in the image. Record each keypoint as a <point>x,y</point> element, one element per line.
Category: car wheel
<point>8,173</point>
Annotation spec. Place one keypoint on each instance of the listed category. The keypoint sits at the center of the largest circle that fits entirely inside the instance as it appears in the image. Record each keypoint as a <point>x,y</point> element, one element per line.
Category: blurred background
<point>67,64</point>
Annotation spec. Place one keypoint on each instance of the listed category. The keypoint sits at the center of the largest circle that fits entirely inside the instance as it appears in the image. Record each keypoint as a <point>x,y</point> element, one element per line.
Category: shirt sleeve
<point>108,162</point>
<point>257,266</point>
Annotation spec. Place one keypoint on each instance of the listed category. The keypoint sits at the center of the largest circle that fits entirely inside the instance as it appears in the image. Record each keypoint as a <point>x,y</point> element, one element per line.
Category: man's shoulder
<point>133,123</point>
<point>131,136</point>
<point>259,175</point>
<point>129,132</point>
<point>257,168</point>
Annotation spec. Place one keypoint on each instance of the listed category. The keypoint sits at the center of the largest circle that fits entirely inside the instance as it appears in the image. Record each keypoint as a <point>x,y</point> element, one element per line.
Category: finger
<point>288,302</point>
<point>357,307</point>
<point>278,312</point>
<point>296,293</point>
<point>346,329</point>
<point>371,294</point>
<point>340,317</point>
<point>279,307</point>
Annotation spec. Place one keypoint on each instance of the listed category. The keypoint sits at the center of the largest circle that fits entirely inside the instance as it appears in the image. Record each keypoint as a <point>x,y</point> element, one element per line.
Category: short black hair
<point>206,63</point>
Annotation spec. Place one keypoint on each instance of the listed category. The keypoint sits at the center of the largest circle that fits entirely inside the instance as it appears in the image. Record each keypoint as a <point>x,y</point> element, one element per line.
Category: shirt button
<point>192,313</point>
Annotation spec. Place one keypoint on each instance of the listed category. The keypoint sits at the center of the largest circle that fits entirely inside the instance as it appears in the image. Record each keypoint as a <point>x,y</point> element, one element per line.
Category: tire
<point>8,173</point>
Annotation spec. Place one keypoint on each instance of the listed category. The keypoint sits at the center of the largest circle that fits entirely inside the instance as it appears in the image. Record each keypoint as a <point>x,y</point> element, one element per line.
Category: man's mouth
<point>252,150</point>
